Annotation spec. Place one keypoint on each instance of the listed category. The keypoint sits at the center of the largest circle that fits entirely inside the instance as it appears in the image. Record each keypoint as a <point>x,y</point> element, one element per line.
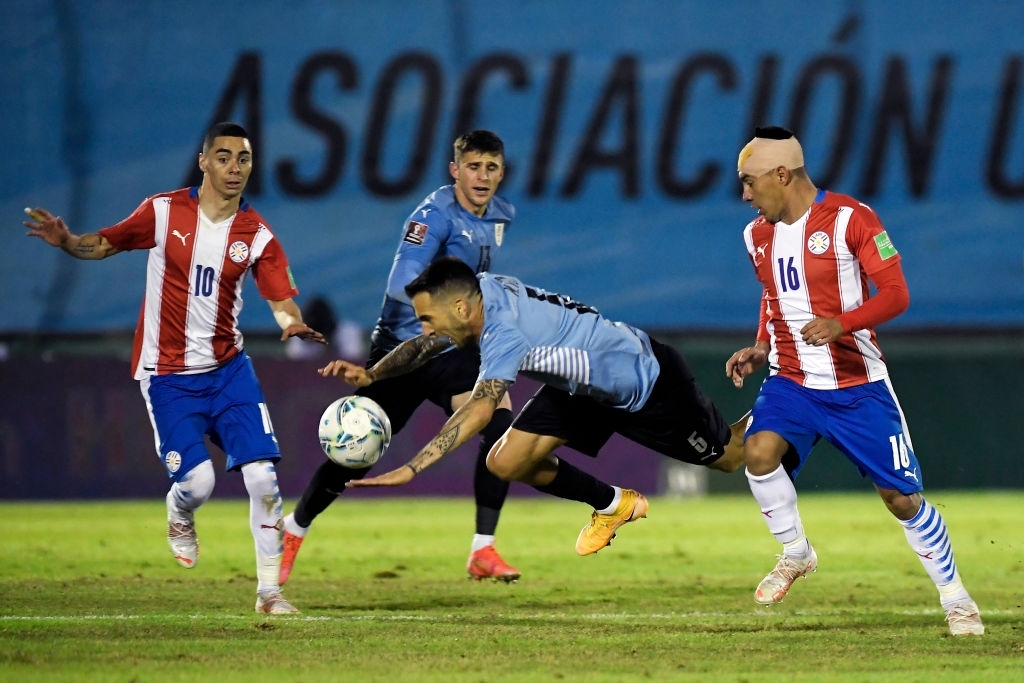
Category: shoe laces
<point>962,611</point>
<point>789,568</point>
<point>598,521</point>
<point>181,530</point>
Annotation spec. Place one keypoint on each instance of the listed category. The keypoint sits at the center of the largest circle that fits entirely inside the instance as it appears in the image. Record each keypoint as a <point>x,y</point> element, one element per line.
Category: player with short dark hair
<point>466,219</point>
<point>599,378</point>
<point>814,253</point>
<point>188,354</point>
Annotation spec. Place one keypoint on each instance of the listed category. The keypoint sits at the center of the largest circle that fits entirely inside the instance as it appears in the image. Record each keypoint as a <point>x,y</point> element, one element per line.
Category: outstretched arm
<point>465,423</point>
<point>54,231</point>
<point>403,359</point>
<point>289,319</point>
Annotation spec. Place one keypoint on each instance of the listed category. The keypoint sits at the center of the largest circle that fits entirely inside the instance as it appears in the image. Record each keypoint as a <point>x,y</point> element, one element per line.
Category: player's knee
<point>196,485</point>
<point>260,479</point>
<point>499,466</point>
<point>901,505</point>
<point>763,451</point>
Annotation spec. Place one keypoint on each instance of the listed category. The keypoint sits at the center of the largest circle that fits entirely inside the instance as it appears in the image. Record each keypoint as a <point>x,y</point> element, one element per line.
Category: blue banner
<point>622,122</point>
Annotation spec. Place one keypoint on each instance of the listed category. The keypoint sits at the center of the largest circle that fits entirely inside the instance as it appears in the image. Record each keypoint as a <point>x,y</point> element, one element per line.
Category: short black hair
<point>773,133</point>
<point>225,129</point>
<point>483,141</point>
<point>446,274</point>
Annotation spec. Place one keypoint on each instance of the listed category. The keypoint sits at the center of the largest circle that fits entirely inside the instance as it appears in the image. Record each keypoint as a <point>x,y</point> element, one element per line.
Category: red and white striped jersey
<point>819,267</point>
<point>189,318</point>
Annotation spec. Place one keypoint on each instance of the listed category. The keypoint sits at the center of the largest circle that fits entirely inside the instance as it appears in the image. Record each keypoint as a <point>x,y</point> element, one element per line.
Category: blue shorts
<point>225,404</point>
<point>864,422</point>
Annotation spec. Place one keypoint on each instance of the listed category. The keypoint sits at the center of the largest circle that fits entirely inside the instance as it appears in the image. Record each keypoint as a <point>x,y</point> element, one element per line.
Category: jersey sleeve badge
<point>885,247</point>
<point>415,233</point>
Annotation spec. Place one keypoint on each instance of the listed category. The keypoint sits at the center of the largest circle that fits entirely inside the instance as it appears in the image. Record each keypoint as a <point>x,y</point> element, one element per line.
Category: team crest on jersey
<point>415,232</point>
<point>173,461</point>
<point>818,243</point>
<point>238,251</point>
<point>499,233</point>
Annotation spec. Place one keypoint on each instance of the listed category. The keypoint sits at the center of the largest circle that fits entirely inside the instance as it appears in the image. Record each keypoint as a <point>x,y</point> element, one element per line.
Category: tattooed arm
<point>54,231</point>
<point>464,424</point>
<point>409,355</point>
<point>404,358</point>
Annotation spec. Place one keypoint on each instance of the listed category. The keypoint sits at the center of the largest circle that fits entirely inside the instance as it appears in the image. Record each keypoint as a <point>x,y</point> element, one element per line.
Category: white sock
<point>928,537</point>
<point>292,527</point>
<point>265,512</point>
<point>776,495</point>
<point>616,499</point>
<point>194,489</point>
<point>481,541</point>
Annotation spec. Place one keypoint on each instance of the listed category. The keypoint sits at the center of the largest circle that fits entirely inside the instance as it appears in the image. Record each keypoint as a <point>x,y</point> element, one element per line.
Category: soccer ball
<point>354,431</point>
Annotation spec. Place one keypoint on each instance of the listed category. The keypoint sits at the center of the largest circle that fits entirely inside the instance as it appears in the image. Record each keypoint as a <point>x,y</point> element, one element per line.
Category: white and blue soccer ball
<point>355,431</point>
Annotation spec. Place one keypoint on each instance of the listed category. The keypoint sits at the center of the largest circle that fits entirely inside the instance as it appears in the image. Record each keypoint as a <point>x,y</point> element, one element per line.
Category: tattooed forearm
<point>408,356</point>
<point>493,389</point>
<point>447,439</point>
<point>439,446</point>
<point>465,423</point>
<point>88,247</point>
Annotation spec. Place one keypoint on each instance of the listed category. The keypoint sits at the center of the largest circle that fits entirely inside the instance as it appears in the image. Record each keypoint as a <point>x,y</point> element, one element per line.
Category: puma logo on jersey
<point>468,235</point>
<point>180,236</point>
<point>759,254</point>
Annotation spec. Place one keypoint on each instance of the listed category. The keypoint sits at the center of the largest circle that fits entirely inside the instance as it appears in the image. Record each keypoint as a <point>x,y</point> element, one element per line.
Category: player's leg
<point>398,397</point>
<point>178,429</point>
<point>877,440</point>
<point>244,430</point>
<point>782,420</point>
<point>452,378</point>
<point>733,457</point>
<point>326,484</point>
<point>185,496</point>
<point>265,513</point>
<point>553,418</point>
<point>489,492</point>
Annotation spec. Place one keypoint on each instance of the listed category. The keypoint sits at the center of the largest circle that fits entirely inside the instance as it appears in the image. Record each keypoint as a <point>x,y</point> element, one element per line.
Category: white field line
<point>623,616</point>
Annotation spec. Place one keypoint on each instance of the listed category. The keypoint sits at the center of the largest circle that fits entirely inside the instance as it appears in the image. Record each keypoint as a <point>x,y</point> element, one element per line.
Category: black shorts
<point>446,375</point>
<point>678,420</point>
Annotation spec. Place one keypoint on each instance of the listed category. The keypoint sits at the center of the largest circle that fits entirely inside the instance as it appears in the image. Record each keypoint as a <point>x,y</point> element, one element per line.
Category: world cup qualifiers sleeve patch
<point>415,232</point>
<point>884,245</point>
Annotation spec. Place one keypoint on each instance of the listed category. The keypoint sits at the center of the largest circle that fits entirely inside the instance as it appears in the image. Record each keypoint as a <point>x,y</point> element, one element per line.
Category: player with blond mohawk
<point>814,253</point>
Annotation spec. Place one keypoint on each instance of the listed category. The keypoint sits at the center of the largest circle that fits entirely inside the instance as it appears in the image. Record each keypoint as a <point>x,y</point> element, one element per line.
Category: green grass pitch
<point>91,593</point>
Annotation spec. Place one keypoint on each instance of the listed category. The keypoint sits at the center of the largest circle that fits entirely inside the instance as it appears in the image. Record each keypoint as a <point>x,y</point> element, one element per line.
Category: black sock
<point>575,484</point>
<point>328,483</point>
<point>488,489</point>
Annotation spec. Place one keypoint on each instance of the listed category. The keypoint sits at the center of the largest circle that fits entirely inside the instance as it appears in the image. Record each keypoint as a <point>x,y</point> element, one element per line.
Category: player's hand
<point>745,362</point>
<point>821,331</point>
<point>356,375</point>
<point>47,227</point>
<point>403,475</point>
<point>303,332</point>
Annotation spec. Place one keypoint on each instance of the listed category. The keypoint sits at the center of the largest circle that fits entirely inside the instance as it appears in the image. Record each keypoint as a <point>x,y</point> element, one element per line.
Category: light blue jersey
<point>564,344</point>
<point>438,227</point>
